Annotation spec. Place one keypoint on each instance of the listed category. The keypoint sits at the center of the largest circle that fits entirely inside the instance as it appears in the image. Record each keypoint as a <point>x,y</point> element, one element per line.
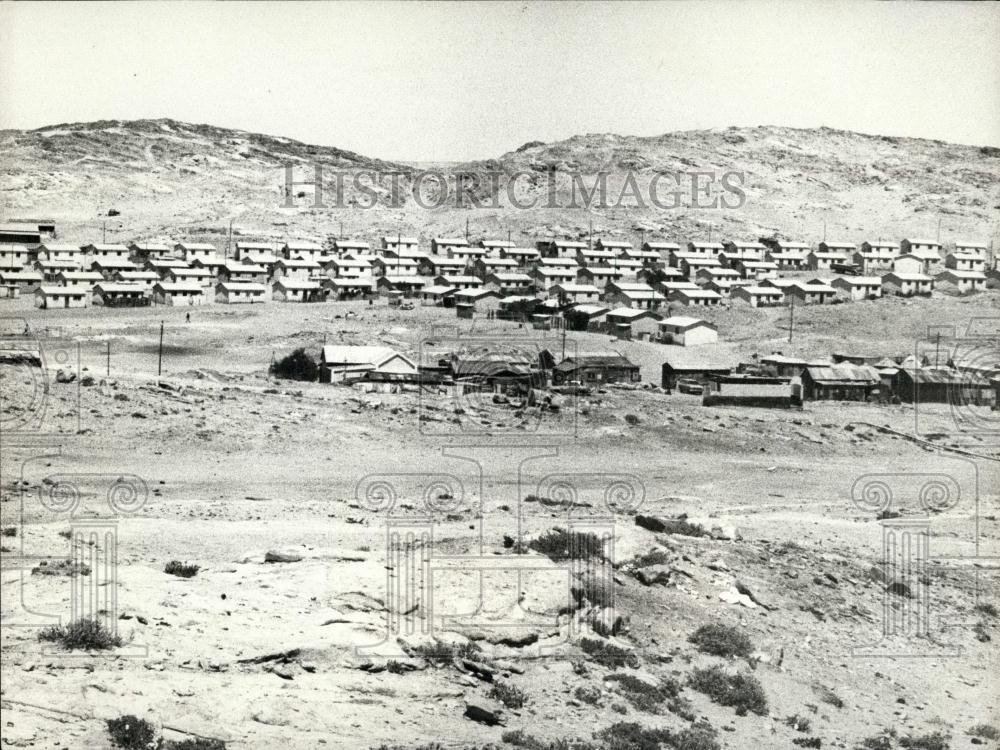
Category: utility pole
<point>939,230</point>
<point>466,229</point>
<point>508,235</point>
<point>791,320</point>
<point>824,230</point>
<point>108,360</point>
<point>341,229</point>
<point>104,232</point>
<point>159,363</point>
<point>229,239</point>
<point>937,348</point>
<point>564,343</point>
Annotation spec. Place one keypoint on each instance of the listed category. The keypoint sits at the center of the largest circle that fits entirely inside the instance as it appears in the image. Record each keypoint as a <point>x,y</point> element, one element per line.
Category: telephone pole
<point>791,320</point>
<point>159,363</point>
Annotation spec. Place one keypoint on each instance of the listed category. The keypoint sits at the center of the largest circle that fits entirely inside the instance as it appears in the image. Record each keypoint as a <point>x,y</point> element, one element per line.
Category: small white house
<point>643,298</point>
<point>971,247</point>
<point>302,249</point>
<point>57,297</point>
<point>681,330</point>
<point>810,293</point>
<point>106,252</point>
<point>758,296</point>
<point>459,282</point>
<point>907,284</point>
<point>443,245</point>
<point>297,290</point>
<point>85,279</point>
<point>821,260</point>
<point>965,262</point>
<point>190,251</point>
<point>858,287</point>
<point>117,294</point>
<point>695,297</point>
<point>398,242</point>
<point>295,269</point>
<point>962,282</point>
<point>13,257</point>
<point>60,252</point>
<point>756,269</point>
<point>108,267</point>
<point>145,278</point>
<point>179,293</point>
<point>574,293</point>
<point>240,293</point>
<point>14,283</point>
<point>340,364</point>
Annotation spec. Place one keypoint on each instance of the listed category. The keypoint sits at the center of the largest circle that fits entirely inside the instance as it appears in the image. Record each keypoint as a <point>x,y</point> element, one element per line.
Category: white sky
<point>450,81</point>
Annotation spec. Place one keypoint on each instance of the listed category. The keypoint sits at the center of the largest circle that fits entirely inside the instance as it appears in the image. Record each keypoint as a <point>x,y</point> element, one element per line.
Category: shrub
<point>987,609</point>
<point>985,731</point>
<point>628,735</point>
<point>813,742</point>
<point>644,696</point>
<point>698,737</point>
<point>559,545</point>
<point>653,557</point>
<point>591,589</point>
<point>83,634</point>
<point>878,742</point>
<point>510,695</point>
<point>722,640</point>
<point>679,525</point>
<point>132,733</point>
<point>445,653</point>
<point>799,723</point>
<point>828,696</point>
<point>196,743</point>
<point>608,654</point>
<point>519,738</point>
<point>935,741</point>
<point>181,570</point>
<point>587,694</point>
<point>10,531</point>
<point>296,366</point>
<point>741,691</point>
<point>394,667</point>
<point>631,736</point>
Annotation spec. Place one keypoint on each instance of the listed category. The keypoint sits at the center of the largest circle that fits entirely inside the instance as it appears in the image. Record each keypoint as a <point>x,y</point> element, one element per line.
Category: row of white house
<point>459,253</point>
<point>575,270</point>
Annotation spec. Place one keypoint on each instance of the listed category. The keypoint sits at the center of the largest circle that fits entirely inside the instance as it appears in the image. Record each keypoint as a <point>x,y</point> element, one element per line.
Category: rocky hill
<point>167,178</point>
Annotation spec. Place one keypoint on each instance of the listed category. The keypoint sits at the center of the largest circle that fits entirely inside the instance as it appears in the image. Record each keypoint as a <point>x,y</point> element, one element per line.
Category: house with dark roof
<point>843,382</point>
<point>595,369</point>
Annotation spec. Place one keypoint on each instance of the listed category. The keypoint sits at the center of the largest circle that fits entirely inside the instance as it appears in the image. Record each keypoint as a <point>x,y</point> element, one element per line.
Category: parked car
<point>693,387</point>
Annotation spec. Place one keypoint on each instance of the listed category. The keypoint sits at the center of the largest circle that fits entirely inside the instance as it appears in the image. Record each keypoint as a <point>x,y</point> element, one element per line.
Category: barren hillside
<point>170,178</point>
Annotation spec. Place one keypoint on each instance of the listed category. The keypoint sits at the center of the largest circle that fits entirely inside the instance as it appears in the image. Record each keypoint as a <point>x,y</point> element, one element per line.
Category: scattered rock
<point>754,597</point>
<point>484,711</point>
<point>275,556</point>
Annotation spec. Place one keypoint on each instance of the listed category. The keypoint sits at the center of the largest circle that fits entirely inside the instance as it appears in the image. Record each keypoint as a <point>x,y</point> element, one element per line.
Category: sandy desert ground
<point>229,465</point>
